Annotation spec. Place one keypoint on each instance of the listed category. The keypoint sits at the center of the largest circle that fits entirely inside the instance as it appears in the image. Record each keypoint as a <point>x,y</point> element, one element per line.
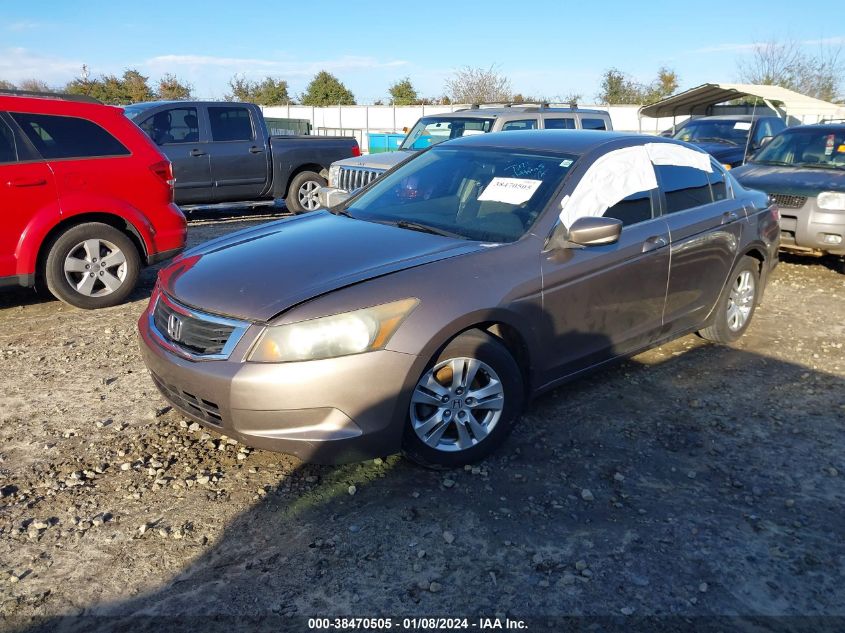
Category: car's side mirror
<point>587,231</point>
<point>765,141</point>
<point>331,196</point>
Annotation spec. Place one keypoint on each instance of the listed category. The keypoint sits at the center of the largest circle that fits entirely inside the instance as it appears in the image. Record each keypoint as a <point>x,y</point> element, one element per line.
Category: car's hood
<point>258,273</point>
<point>723,152</point>
<point>795,181</point>
<point>383,161</point>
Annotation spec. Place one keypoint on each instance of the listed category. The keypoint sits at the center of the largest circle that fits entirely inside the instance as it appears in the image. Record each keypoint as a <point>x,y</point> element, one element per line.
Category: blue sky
<point>547,48</point>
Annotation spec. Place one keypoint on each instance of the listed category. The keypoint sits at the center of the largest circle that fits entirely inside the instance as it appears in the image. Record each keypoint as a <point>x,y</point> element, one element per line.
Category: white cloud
<point>255,66</point>
<point>22,25</point>
<point>20,63</point>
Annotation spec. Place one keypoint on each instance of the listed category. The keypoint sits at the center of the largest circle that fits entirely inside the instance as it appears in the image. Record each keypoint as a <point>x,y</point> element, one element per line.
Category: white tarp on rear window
<point>622,173</point>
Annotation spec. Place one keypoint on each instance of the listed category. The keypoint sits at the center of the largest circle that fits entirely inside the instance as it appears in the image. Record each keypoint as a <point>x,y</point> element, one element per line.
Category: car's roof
<point>49,104</point>
<point>557,141</point>
<point>145,105</point>
<point>517,111</point>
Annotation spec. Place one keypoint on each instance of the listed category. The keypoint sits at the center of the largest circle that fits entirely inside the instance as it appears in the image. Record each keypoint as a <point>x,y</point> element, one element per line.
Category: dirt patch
<point>692,479</point>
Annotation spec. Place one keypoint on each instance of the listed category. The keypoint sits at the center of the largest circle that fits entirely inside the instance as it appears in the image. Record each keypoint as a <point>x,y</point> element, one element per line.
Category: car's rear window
<point>68,137</point>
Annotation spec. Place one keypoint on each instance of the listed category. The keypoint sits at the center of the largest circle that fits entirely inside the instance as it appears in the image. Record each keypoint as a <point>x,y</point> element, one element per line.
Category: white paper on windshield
<point>509,190</point>
<point>473,132</point>
<point>742,125</point>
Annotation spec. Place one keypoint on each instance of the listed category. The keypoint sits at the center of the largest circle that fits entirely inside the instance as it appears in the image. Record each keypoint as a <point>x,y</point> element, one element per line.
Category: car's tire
<point>75,271</point>
<point>737,303</point>
<point>478,415</point>
<point>302,193</point>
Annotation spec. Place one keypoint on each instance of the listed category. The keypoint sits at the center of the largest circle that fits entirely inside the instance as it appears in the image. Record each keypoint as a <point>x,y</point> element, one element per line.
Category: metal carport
<point>701,99</point>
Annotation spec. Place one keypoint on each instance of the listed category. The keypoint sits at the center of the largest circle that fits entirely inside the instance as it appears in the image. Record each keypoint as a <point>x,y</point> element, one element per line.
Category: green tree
<point>268,92</point>
<point>131,87</point>
<point>403,93</point>
<point>136,87</point>
<point>325,90</point>
<point>618,88</point>
<point>171,89</point>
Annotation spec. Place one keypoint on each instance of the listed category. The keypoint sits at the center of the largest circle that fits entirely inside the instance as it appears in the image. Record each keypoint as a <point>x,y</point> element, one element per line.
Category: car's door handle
<point>27,182</point>
<point>653,243</point>
<point>255,150</point>
<point>197,152</point>
<point>729,216</point>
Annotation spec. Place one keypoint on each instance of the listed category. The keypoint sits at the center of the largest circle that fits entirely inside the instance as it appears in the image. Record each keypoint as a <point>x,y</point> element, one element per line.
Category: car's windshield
<point>132,111</point>
<point>808,147</point>
<point>430,131</point>
<point>714,130</point>
<point>492,195</point>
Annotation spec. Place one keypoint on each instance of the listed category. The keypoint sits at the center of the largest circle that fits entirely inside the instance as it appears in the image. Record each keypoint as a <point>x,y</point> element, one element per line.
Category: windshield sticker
<point>566,163</point>
<point>828,147</point>
<point>509,190</point>
<point>742,125</point>
<point>840,149</point>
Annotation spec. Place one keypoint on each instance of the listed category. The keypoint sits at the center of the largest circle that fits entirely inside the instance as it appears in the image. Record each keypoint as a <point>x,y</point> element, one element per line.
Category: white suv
<point>353,173</point>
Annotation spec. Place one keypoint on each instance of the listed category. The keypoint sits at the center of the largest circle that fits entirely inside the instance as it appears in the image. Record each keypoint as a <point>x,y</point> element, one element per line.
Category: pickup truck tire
<point>92,265</point>
<point>302,193</point>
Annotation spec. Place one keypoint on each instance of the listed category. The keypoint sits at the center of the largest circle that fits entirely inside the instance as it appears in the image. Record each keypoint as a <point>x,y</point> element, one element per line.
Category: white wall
<point>358,121</point>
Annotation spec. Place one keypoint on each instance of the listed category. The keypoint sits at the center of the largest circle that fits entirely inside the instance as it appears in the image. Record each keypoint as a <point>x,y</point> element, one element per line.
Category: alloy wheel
<point>307,195</point>
<point>95,268</point>
<point>456,404</point>
<point>740,301</point>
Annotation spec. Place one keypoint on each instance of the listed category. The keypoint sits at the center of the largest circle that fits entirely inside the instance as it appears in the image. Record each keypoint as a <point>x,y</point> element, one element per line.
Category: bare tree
<point>789,65</point>
<point>34,85</point>
<point>478,85</point>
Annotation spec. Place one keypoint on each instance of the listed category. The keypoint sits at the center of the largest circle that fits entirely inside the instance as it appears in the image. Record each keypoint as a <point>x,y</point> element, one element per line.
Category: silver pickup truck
<point>353,173</point>
<point>222,154</point>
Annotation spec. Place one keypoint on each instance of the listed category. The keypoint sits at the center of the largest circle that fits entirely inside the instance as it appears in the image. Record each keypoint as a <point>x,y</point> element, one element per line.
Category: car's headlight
<point>331,336</point>
<point>831,200</point>
<point>334,172</point>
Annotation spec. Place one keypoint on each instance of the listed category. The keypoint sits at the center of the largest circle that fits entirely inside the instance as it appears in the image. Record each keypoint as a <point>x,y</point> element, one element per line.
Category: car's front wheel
<point>465,403</point>
<point>92,265</point>
<point>736,304</point>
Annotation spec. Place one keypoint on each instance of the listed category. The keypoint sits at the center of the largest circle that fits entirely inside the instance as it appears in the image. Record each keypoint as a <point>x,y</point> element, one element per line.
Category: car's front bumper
<point>810,228</point>
<point>326,411</point>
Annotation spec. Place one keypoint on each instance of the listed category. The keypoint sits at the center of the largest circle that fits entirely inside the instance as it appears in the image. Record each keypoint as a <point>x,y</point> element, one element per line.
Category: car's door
<point>607,300</point>
<point>704,234</point>
<point>239,163</point>
<point>27,187</point>
<point>182,136</point>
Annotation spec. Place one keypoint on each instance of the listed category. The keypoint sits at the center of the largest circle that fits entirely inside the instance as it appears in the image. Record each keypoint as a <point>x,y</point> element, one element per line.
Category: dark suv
<point>730,138</point>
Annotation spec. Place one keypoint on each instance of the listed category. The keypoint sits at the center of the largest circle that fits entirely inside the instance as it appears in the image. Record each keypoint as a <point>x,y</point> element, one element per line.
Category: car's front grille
<point>189,403</point>
<point>353,178</point>
<point>199,335</point>
<point>789,202</point>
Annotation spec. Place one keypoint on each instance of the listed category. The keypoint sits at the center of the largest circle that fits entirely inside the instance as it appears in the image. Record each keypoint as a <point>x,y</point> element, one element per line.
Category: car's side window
<point>719,184</point>
<point>564,123</point>
<point>593,124</point>
<point>524,124</point>
<point>633,209</point>
<point>8,147</point>
<point>230,123</point>
<point>683,187</point>
<point>67,136</point>
<point>177,125</point>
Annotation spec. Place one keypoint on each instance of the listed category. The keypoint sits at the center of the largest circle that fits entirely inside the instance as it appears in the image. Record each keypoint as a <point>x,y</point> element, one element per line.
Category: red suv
<point>86,199</point>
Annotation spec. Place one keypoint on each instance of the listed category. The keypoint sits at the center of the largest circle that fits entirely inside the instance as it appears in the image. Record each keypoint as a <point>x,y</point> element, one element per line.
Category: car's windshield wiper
<point>781,163</point>
<point>341,211</point>
<point>422,228</point>
<point>705,139</point>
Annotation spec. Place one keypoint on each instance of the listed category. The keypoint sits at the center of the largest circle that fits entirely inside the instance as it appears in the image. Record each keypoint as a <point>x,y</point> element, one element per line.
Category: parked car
<point>803,169</point>
<point>223,153</point>
<point>86,199</point>
<point>730,138</point>
<point>353,173</point>
<point>429,307</point>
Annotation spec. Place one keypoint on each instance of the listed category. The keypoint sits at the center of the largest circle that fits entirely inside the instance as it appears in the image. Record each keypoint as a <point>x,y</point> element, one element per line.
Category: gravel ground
<point>691,480</point>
